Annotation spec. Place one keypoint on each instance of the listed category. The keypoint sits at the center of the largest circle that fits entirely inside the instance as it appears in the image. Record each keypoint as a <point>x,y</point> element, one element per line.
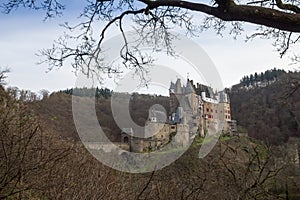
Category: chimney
<point>192,83</point>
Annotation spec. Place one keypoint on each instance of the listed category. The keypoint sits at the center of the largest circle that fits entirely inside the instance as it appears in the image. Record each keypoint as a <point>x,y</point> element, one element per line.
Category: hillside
<point>270,112</point>
<point>268,107</point>
<point>36,163</point>
<point>55,112</point>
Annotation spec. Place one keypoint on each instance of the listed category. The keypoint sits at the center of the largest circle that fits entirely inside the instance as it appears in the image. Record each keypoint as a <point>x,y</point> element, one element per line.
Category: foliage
<point>264,77</point>
<point>89,92</point>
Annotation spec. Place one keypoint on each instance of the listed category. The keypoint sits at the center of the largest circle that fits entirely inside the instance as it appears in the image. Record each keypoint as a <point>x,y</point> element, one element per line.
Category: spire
<point>189,87</point>
<point>172,87</point>
<point>178,88</point>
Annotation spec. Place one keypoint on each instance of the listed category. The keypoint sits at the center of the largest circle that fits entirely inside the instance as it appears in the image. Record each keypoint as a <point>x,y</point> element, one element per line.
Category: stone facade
<point>193,110</point>
<point>163,134</point>
<point>207,111</point>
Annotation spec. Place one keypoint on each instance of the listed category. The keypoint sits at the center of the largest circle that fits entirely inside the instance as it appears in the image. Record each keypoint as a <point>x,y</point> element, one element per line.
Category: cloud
<point>24,34</point>
<point>20,40</point>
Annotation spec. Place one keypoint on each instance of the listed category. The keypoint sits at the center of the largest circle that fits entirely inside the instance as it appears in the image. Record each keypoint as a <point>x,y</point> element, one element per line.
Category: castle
<point>194,109</point>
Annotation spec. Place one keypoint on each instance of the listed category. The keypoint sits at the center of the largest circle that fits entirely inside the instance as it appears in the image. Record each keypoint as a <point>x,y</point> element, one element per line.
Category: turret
<point>172,88</point>
<point>178,88</point>
<point>189,87</point>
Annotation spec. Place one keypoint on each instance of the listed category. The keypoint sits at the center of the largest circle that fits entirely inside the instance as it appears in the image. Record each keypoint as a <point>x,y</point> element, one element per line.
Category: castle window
<point>126,140</point>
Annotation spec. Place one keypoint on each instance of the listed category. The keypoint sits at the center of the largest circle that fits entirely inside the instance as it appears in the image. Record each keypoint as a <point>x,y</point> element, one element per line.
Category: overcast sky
<point>23,33</point>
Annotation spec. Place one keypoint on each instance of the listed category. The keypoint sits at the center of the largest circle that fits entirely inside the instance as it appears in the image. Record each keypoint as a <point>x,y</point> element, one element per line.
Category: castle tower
<point>189,87</point>
<point>175,95</point>
<point>178,88</point>
<point>182,136</point>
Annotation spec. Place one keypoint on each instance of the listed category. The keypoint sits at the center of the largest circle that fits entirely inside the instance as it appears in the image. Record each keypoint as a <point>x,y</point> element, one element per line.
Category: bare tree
<point>26,152</point>
<point>44,93</point>
<point>3,75</point>
<point>252,169</point>
<point>276,19</point>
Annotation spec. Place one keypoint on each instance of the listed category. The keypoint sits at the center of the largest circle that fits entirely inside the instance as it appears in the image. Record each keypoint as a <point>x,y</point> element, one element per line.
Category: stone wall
<point>160,138</point>
<point>182,136</point>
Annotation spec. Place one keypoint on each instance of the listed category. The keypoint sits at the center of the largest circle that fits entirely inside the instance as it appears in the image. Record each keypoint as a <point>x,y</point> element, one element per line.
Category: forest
<point>263,77</point>
<point>41,154</point>
<point>42,157</point>
<point>269,112</point>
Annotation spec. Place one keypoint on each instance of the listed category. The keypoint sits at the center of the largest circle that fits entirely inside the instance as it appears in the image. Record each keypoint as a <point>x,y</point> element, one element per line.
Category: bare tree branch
<point>229,11</point>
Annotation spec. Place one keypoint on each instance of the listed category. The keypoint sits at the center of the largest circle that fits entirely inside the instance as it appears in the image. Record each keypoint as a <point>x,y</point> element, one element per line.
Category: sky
<point>23,33</point>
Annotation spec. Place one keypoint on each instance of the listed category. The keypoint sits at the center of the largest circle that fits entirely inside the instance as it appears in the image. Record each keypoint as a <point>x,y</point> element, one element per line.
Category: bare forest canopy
<point>268,109</point>
<point>40,160</point>
<point>38,164</point>
<point>266,105</point>
<point>56,110</point>
<point>89,92</point>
